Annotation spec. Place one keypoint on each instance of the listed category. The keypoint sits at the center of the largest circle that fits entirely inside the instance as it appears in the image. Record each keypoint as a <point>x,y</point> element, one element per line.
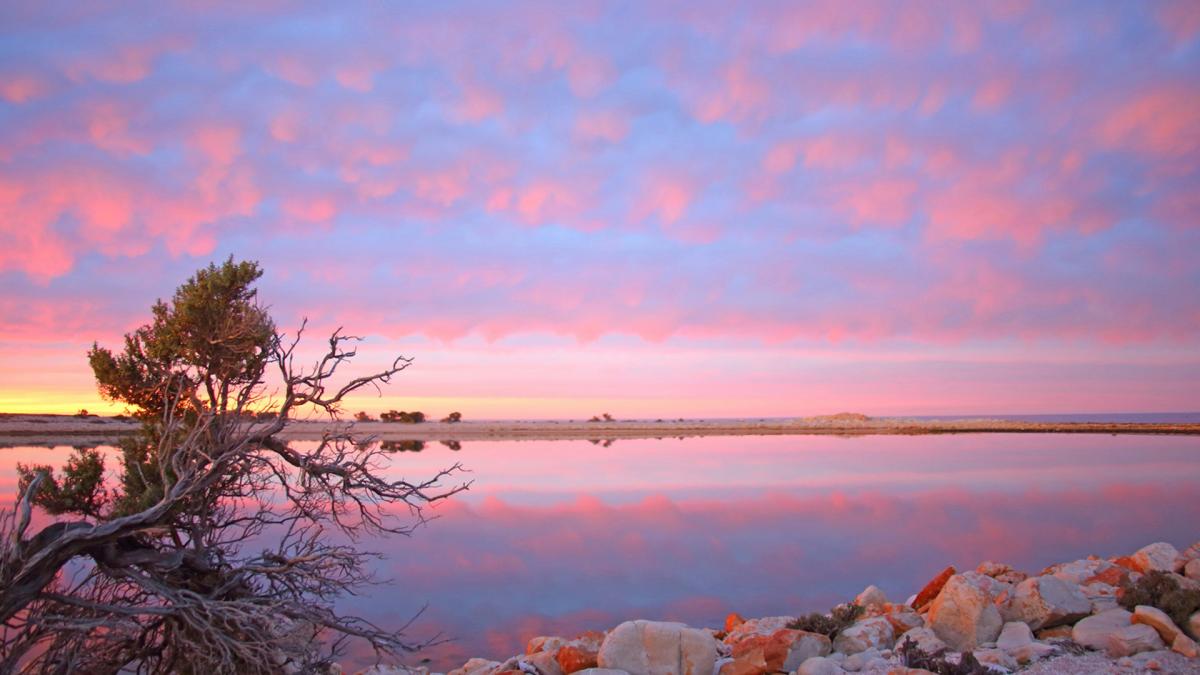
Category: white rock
<point>875,632</point>
<point>1159,556</point>
<point>871,596</point>
<point>856,662</point>
<point>1017,641</point>
<point>1093,632</point>
<point>764,626</point>
<point>925,638</point>
<point>1193,626</point>
<point>1043,602</point>
<point>1186,646</point>
<point>805,646</point>
<point>963,614</point>
<point>658,648</point>
<point>545,663</point>
<point>1133,639</point>
<point>996,657</point>
<point>600,671</point>
<point>474,667</point>
<point>819,665</point>
<point>1191,570</point>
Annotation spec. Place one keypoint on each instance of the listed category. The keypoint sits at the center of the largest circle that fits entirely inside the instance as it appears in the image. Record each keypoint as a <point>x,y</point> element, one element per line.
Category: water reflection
<point>560,537</point>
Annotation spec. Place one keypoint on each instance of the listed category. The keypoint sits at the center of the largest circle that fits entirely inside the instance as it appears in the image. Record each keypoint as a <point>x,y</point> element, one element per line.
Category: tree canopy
<point>170,584</point>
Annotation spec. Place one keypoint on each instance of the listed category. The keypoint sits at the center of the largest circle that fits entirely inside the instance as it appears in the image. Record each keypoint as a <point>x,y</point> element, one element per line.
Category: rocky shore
<point>1130,614</point>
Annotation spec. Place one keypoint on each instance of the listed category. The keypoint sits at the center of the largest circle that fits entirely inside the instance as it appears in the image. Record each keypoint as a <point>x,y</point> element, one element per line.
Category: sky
<point>652,209</point>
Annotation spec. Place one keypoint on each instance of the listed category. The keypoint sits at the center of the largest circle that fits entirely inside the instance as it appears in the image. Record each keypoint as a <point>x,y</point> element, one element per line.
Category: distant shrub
<point>361,416</point>
<point>82,412</point>
<point>1161,590</point>
<point>453,445</point>
<point>266,415</point>
<point>838,619</point>
<point>452,418</point>
<point>402,417</point>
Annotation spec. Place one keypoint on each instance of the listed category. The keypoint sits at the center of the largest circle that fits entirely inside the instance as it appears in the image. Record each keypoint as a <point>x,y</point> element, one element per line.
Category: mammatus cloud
<point>770,175</point>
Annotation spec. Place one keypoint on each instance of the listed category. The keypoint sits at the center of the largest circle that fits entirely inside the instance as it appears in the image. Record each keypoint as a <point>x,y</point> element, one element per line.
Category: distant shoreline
<point>18,429</point>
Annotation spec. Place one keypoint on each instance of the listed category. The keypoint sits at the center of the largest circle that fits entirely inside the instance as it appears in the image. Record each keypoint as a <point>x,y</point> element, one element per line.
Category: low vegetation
<point>912,656</point>
<point>839,618</point>
<point>1161,590</point>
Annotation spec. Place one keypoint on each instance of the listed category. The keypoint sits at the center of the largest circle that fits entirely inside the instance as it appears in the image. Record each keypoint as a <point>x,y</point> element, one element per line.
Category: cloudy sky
<point>646,208</point>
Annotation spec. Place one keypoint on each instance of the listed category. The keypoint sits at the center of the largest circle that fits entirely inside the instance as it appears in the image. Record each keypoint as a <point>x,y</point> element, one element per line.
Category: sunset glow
<point>651,209</point>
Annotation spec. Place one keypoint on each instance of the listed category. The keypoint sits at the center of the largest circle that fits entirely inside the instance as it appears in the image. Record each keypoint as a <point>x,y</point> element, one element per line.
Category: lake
<point>557,537</point>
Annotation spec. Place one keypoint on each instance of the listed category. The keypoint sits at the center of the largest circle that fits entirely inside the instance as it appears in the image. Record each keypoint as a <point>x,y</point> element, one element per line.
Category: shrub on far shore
<point>403,417</point>
<point>452,418</point>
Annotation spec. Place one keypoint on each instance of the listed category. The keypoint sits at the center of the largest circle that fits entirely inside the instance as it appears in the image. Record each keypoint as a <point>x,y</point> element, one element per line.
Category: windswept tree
<point>218,548</point>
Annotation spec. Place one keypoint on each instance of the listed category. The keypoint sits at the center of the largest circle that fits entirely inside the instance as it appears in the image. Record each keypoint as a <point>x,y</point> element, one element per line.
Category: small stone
<point>875,632</point>
<point>995,657</point>
<point>1158,556</point>
<point>475,665</point>
<point>903,618</point>
<point>1133,639</point>
<point>819,665</point>
<point>545,663</point>
<point>871,596</point>
<point>602,671</point>
<point>544,643</point>
<point>572,658</point>
<point>1193,626</point>
<point>933,588</point>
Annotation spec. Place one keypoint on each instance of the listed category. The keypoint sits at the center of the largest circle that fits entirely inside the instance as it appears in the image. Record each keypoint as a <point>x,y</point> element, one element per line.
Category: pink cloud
<point>667,196</point>
<point>1164,122</point>
<point>22,87</point>
<point>884,201</point>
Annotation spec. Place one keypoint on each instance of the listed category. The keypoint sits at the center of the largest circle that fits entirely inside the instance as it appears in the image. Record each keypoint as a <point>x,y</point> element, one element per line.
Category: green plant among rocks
<point>839,619</point>
<point>1161,590</point>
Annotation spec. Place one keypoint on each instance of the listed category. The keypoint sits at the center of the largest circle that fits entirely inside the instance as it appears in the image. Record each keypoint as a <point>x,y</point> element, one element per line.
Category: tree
<point>163,578</point>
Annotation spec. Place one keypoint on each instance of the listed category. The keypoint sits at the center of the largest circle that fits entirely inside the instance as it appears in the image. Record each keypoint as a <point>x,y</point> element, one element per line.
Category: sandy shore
<point>41,429</point>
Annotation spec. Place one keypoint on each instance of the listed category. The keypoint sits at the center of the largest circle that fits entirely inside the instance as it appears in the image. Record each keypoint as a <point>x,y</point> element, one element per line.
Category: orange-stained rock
<point>544,643</point>
<point>1056,632</point>
<point>1126,562</point>
<point>1113,576</point>
<point>733,621</point>
<point>751,662</point>
<point>772,649</point>
<point>932,588</point>
<point>572,658</point>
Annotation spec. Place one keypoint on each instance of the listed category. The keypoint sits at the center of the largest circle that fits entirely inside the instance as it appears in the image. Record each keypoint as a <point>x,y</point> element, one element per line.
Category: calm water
<point>559,537</point>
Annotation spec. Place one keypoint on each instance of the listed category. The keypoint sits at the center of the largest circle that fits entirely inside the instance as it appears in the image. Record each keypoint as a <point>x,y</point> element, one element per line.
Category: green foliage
<point>79,488</point>
<point>838,619</point>
<point>211,338</point>
<point>1161,590</point>
<point>197,351</point>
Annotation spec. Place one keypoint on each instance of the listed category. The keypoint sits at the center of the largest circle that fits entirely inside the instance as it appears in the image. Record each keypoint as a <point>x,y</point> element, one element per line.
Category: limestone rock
<point>573,658</point>
<point>1094,631</point>
<point>856,662</point>
<point>931,590</point>
<point>658,648</point>
<point>963,614</point>
<point>764,626</point>
<point>1159,556</point>
<point>1158,620</point>
<point>1053,633</point>
<point>925,639</point>
<point>1046,601</point>
<point>996,657</point>
<point>874,632</point>
<point>1017,641</point>
<point>544,643</point>
<point>1193,626</point>
<point>1133,639</point>
<point>1186,646</point>
<point>871,596</point>
<point>545,662</point>
<point>903,618</point>
<point>1001,572</point>
<point>1191,569</point>
<point>475,666</point>
<point>733,621</point>
<point>819,665</point>
<point>602,671</point>
<point>784,649</point>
